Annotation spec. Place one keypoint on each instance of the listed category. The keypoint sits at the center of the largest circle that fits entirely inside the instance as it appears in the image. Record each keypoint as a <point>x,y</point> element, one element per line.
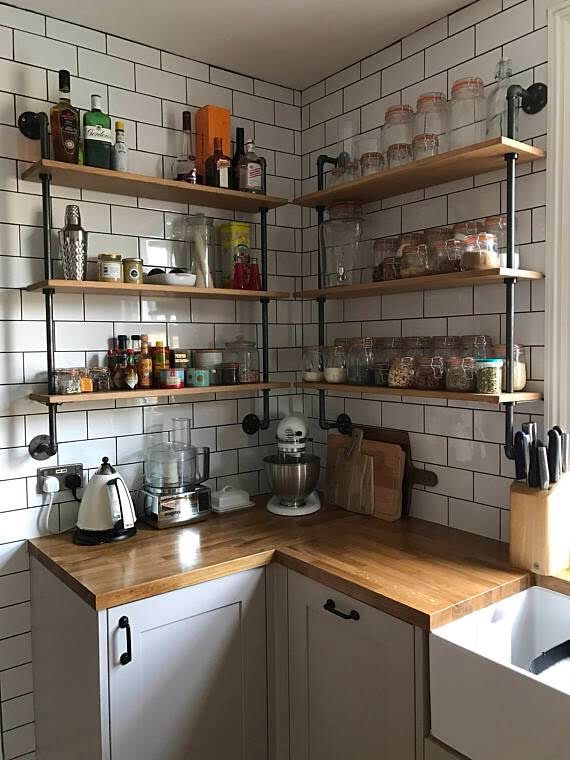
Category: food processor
<point>292,473</point>
<point>172,492</point>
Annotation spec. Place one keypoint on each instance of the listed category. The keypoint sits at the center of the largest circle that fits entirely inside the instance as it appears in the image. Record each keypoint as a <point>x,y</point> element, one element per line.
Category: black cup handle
<point>330,606</point>
<point>127,656</point>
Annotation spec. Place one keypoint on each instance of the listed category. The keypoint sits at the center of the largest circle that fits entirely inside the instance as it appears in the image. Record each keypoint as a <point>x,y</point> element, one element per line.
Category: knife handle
<point>521,466</point>
<point>554,455</point>
<point>565,440</point>
<point>543,475</point>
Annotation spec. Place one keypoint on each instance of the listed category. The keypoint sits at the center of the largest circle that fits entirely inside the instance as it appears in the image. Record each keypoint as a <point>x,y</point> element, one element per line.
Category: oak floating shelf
<point>429,282</point>
<point>82,398</point>
<point>142,186</point>
<point>455,164</point>
<point>171,291</point>
<point>479,398</point>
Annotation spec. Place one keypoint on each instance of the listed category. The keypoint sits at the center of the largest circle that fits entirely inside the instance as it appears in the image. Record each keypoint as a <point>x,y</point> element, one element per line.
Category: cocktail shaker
<point>73,245</point>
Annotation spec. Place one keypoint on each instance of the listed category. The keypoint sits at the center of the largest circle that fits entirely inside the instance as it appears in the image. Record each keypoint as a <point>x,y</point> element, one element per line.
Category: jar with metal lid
<point>383,248</point>
<point>460,374</point>
<point>444,232</point>
<point>313,364</point>
<point>335,364</point>
<point>461,230</point>
<point>399,154</point>
<point>432,117</point>
<point>425,146</point>
<point>489,375</point>
<point>210,359</point>
<point>429,374</point>
<point>402,372</point>
<point>133,271</point>
<point>371,163</point>
<point>417,345</point>
<point>445,346</point>
<point>414,261</point>
<point>445,256</point>
<point>467,112</point>
<point>66,381</point>
<point>101,378</point>
<point>244,352</point>
<point>398,128</point>
<point>519,365</point>
<point>477,346</point>
<point>480,252</point>
<point>361,360</point>
<point>340,237</point>
<point>109,267</point>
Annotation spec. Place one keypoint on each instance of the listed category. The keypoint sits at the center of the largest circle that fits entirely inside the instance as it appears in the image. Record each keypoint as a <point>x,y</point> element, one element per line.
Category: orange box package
<point>211,121</point>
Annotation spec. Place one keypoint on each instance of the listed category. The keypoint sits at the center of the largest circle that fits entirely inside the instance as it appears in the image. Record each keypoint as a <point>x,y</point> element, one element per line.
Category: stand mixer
<point>292,473</point>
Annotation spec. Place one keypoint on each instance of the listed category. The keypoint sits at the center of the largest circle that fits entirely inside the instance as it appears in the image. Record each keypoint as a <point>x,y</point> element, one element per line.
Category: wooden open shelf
<point>82,398</point>
<point>430,282</point>
<point>171,291</point>
<point>480,398</point>
<point>463,162</point>
<point>128,183</point>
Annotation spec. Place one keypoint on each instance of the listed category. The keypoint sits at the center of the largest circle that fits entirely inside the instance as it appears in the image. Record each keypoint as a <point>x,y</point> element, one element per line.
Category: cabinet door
<point>351,681</point>
<point>195,687</point>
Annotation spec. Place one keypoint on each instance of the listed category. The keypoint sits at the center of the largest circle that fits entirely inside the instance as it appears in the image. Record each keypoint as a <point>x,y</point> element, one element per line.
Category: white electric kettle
<point>106,512</point>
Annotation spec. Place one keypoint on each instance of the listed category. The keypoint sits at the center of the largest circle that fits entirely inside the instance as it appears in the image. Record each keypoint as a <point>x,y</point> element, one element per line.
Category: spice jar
<point>312,364</point>
<point>361,360</point>
<point>133,271</point>
<point>519,365</point>
<point>335,364</point>
<point>414,261</point>
<point>244,353</point>
<point>432,117</point>
<point>398,127</point>
<point>460,374</point>
<point>399,154</point>
<point>489,375</point>
<point>445,256</point>
<point>101,378</point>
<point>66,381</point>
<point>477,346</point>
<point>109,267</point>
<point>467,112</point>
<point>429,374</point>
<point>425,146</point>
<point>391,268</point>
<point>371,163</point>
<point>383,248</point>
<point>418,346</point>
<point>445,346</point>
<point>480,252</point>
<point>463,229</point>
<point>402,371</point>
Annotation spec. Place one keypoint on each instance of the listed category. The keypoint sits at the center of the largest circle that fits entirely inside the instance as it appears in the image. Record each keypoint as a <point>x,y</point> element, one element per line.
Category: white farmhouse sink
<point>485,702</point>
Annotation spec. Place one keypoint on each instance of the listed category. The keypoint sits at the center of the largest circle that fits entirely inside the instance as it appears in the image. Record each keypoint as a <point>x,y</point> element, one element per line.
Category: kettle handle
<point>204,451</point>
<point>116,498</point>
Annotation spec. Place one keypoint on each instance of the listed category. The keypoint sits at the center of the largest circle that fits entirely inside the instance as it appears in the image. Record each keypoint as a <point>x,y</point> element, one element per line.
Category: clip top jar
<point>398,127</point>
<point>519,365</point>
<point>467,112</point>
<point>244,353</point>
<point>414,261</point>
<point>432,117</point>
<point>361,360</point>
<point>480,252</point>
<point>313,364</point>
<point>335,364</point>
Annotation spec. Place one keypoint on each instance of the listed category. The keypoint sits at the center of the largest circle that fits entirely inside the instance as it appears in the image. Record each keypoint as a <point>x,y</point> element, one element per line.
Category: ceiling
<point>289,42</point>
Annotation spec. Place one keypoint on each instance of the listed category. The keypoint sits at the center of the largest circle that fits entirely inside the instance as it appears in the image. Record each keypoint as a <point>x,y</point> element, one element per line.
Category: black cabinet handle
<point>330,606</point>
<point>127,656</point>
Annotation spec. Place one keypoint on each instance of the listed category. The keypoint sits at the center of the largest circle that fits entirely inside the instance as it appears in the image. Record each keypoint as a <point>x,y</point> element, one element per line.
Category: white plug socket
<point>50,484</point>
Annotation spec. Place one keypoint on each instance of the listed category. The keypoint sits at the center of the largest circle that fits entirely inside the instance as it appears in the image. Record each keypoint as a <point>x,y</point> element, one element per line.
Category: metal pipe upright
<point>264,423</point>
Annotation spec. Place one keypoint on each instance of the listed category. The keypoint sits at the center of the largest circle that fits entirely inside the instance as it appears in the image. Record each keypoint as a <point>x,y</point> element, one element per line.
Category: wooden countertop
<point>422,573</point>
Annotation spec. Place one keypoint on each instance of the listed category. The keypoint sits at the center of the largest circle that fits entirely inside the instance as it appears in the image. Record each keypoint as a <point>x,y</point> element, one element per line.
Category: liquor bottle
<point>238,155</point>
<point>120,150</point>
<point>497,100</point>
<point>160,360</point>
<point>218,166</point>
<point>144,364</point>
<point>97,136</point>
<point>65,120</point>
<point>136,344</point>
<point>251,171</point>
<point>185,164</point>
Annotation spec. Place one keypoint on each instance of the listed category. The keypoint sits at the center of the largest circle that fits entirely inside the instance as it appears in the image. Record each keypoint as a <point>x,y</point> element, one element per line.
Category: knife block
<point>540,527</point>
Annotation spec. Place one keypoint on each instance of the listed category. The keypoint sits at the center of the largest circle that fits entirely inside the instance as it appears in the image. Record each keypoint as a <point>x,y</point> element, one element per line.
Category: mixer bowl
<point>292,480</point>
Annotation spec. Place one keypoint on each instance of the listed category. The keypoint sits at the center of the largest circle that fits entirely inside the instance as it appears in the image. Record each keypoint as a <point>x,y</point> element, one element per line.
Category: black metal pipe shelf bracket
<point>531,100</point>
<point>35,127</point>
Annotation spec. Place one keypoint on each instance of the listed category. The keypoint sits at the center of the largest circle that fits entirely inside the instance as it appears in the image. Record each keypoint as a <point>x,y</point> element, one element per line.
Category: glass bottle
<point>144,364</point>
<point>64,119</point>
<point>96,136</point>
<point>185,164</point>
<point>254,276</point>
<point>131,375</point>
<point>239,154</point>
<point>120,150</point>
<point>497,101</point>
<point>217,166</point>
<point>160,360</point>
<point>251,173</point>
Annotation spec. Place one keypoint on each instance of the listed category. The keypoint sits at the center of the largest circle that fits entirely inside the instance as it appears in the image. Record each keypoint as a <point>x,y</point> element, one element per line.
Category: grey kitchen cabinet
<point>192,683</point>
<point>351,678</point>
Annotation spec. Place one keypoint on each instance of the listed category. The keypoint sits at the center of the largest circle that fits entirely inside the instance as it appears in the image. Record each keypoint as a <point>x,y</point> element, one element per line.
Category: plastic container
<point>519,365</point>
<point>489,375</point>
<point>174,464</point>
<point>230,499</point>
<point>414,261</point>
<point>399,154</point>
<point>460,374</point>
<point>429,375</point>
<point>467,112</point>
<point>201,234</point>
<point>244,353</point>
<point>480,252</point>
<point>383,248</point>
<point>425,146</point>
<point>361,360</point>
<point>371,163</point>
<point>335,364</point>
<point>402,372</point>
<point>398,126</point>
<point>313,364</point>
<point>432,117</point>
<point>340,237</point>
<point>445,256</point>
<point>476,346</point>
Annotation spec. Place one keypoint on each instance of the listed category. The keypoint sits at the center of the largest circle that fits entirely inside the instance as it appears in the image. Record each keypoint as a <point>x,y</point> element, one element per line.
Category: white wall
<point>460,442</point>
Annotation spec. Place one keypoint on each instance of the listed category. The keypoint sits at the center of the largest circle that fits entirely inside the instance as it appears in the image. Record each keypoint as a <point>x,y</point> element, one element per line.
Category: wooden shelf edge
<point>81,398</point>
<point>148,289</point>
<point>478,398</point>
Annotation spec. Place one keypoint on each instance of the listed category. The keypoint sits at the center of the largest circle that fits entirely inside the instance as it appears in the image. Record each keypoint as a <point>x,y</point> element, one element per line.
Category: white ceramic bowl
<point>168,278</point>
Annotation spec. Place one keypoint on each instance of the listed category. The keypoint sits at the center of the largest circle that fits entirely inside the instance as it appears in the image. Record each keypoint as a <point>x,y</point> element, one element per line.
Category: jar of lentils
<point>402,372</point>
<point>361,360</point>
<point>460,374</point>
<point>489,375</point>
<point>429,374</point>
<point>399,154</point>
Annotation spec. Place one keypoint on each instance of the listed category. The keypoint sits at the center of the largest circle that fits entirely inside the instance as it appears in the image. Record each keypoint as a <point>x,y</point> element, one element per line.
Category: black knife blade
<point>554,455</point>
<point>521,455</point>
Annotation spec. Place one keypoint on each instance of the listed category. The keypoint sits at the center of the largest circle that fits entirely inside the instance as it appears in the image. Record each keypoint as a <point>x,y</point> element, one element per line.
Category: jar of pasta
<point>402,372</point>
<point>519,365</point>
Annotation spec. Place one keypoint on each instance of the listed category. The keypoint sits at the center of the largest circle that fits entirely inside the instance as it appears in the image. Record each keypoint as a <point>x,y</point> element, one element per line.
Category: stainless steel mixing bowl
<point>292,480</point>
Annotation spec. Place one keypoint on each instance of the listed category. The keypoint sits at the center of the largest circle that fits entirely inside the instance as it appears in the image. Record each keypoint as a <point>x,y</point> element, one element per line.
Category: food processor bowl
<point>292,480</point>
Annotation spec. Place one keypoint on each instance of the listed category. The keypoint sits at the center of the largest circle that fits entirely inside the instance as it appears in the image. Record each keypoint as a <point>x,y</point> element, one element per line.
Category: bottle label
<point>224,175</point>
<point>97,133</point>
<point>251,176</point>
<point>69,129</point>
<point>120,157</point>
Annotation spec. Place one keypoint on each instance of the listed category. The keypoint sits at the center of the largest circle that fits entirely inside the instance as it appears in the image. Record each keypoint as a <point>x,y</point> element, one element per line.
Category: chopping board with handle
<point>389,462</point>
<point>351,483</point>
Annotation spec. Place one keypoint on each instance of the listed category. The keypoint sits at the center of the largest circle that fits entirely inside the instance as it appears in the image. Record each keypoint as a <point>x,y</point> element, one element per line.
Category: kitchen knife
<point>531,430</point>
<point>542,459</point>
<point>554,455</point>
<point>564,443</point>
<point>522,453</point>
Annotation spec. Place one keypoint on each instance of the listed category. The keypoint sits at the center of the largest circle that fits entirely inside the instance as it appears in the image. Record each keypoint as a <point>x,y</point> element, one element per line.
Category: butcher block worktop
<point>422,573</point>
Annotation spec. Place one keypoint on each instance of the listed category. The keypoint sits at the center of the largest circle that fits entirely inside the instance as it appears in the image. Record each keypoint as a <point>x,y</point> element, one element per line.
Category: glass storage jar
<point>402,371</point>
<point>414,261</point>
<point>445,256</point>
<point>438,233</point>
<point>467,112</point>
<point>489,375</point>
<point>411,238</point>
<point>383,248</point>
<point>391,268</point>
<point>398,126</point>
<point>445,346</point>
<point>464,229</point>
<point>244,353</point>
<point>66,381</point>
<point>399,154</point>
<point>477,346</point>
<point>201,234</point>
<point>432,117</point>
<point>381,370</point>
<point>313,364</point>
<point>101,378</point>
<point>340,238</point>
<point>497,225</point>
<point>460,374</point>
<point>429,374</point>
<point>335,364</point>
<point>425,146</point>
<point>417,346</point>
<point>480,252</point>
<point>519,365</point>
<point>371,163</point>
<point>390,348</point>
<point>361,360</point>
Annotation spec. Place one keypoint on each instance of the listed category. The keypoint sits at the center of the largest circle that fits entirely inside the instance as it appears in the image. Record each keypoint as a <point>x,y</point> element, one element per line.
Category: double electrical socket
<point>66,475</point>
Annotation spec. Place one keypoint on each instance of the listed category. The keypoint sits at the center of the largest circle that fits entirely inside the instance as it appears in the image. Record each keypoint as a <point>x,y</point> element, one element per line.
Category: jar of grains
<point>445,256</point>
<point>460,374</point>
<point>429,374</point>
<point>519,365</point>
<point>313,364</point>
<point>425,146</point>
<point>480,252</point>
<point>335,364</point>
<point>391,268</point>
<point>489,375</point>
<point>467,112</point>
<point>361,360</point>
<point>371,163</point>
<point>432,116</point>
<point>402,371</point>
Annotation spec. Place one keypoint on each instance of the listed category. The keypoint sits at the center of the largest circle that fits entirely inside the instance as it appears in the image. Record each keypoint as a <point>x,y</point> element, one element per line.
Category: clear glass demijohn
<point>497,101</point>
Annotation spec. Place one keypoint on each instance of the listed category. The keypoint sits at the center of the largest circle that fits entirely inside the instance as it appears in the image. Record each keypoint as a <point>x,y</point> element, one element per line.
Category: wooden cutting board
<point>352,484</point>
<point>387,476</point>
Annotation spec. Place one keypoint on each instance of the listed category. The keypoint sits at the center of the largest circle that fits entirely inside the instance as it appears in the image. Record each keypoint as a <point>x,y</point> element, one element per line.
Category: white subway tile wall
<point>461,443</point>
<point>149,88</point>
